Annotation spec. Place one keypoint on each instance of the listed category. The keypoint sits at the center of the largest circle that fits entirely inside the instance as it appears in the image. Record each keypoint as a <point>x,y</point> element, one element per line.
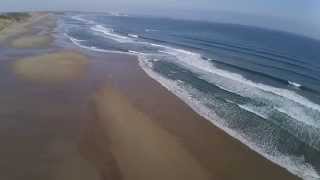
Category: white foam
<point>133,52</point>
<point>294,84</point>
<point>296,113</point>
<point>300,114</point>
<point>74,40</point>
<point>133,35</point>
<point>254,110</point>
<point>271,101</point>
<point>195,61</point>
<point>77,42</point>
<point>118,14</point>
<point>294,110</point>
<point>80,18</point>
<point>294,127</point>
<point>109,33</point>
<point>151,30</point>
<point>295,165</point>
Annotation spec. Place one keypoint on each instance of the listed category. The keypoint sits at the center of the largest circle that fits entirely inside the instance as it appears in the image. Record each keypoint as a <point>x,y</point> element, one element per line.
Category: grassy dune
<point>8,18</point>
<point>4,23</point>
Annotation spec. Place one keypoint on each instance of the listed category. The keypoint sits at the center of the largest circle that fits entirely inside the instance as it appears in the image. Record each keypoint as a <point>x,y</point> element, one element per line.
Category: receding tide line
<point>300,169</point>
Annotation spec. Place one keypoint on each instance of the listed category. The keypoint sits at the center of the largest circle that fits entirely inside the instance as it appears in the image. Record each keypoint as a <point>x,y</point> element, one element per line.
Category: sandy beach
<point>216,152</point>
<point>60,66</point>
<point>72,115</point>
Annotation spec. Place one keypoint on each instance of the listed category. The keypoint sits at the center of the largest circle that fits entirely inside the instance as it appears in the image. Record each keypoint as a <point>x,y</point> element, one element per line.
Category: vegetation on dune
<point>14,16</point>
<point>7,18</point>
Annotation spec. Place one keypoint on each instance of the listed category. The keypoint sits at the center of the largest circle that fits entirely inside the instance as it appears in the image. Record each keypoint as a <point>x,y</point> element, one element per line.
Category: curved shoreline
<point>201,138</point>
<point>65,133</point>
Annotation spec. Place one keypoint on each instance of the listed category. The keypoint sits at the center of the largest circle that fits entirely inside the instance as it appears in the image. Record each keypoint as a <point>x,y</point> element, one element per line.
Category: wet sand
<point>43,108</point>
<point>213,150</point>
<point>140,147</point>
<point>40,41</point>
<point>110,121</point>
<point>53,67</point>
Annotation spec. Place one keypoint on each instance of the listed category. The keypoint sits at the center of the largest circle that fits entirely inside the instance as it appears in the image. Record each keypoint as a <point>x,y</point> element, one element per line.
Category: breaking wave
<point>283,108</point>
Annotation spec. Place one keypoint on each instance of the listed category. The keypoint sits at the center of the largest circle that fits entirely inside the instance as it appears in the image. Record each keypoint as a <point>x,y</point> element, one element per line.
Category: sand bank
<point>55,67</point>
<point>142,149</point>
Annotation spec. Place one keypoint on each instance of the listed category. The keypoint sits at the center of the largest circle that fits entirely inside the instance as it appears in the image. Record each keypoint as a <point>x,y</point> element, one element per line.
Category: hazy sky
<point>299,16</point>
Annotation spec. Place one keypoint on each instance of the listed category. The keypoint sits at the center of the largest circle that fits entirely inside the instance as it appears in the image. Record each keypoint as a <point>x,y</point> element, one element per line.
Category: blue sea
<point>260,86</point>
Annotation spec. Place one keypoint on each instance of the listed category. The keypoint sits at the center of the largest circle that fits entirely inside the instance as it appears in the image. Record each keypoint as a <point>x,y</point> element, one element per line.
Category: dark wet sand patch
<point>40,122</point>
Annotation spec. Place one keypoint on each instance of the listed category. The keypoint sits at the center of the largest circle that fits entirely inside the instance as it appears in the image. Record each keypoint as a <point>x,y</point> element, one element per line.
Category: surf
<point>293,164</point>
<point>109,33</point>
<point>299,115</point>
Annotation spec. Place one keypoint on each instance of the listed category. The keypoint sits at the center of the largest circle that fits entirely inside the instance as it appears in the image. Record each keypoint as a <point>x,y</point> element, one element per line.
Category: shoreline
<point>177,92</point>
<point>206,142</point>
<point>77,115</point>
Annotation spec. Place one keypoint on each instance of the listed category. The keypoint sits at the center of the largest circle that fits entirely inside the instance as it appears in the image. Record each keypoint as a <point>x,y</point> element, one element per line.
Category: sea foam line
<point>299,168</point>
<point>294,84</point>
<point>80,18</point>
<point>109,32</point>
<point>194,60</point>
<point>77,42</point>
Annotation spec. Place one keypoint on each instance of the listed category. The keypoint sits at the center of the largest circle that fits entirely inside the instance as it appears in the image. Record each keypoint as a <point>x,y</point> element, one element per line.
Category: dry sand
<point>142,149</point>
<point>55,67</point>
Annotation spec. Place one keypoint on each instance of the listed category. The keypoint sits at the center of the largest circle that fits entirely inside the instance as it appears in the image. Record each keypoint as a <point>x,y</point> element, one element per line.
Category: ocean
<point>260,86</point>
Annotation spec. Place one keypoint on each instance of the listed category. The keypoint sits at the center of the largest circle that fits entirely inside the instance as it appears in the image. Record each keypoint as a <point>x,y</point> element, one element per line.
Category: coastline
<point>212,147</point>
<point>177,128</point>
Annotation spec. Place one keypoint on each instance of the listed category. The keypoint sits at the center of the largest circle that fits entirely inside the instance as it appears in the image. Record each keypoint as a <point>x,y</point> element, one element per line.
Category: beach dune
<point>9,27</point>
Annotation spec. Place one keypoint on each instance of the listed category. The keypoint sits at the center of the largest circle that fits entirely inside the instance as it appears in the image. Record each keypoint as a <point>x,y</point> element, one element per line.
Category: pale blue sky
<point>298,16</point>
